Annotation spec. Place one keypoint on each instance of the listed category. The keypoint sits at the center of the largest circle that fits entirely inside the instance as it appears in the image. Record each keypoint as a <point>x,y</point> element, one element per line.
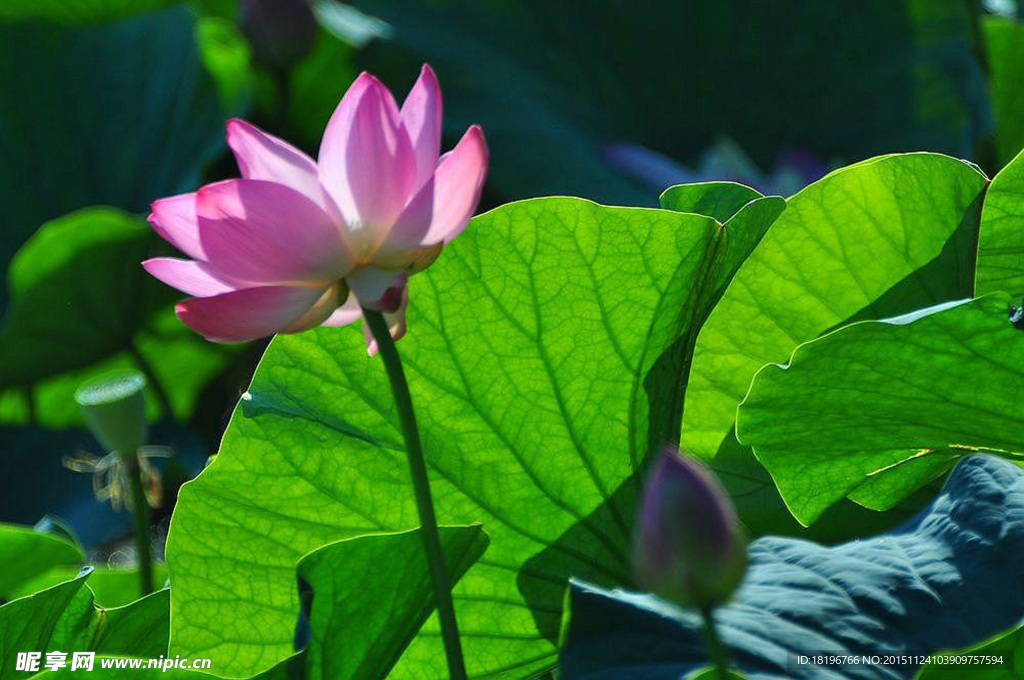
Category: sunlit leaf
<point>111,586</point>
<point>1001,242</point>
<point>720,200</point>
<point>24,552</point>
<point>546,350</point>
<point>372,594</point>
<point>64,617</point>
<point>872,240</point>
<point>869,396</point>
<point>1008,647</point>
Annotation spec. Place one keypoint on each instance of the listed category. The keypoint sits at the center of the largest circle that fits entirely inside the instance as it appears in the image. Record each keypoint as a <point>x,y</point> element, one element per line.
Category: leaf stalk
<point>140,521</point>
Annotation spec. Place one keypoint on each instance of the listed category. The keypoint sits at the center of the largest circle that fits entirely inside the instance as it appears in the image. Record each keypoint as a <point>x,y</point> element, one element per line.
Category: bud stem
<point>421,486</point>
<point>715,648</point>
<point>140,520</point>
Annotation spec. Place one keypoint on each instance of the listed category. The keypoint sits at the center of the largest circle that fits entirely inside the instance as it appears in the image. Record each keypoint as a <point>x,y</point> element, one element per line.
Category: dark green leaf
<point>1008,646</point>
<point>77,11</point>
<point>116,114</point>
<point>949,578</point>
<point>81,304</point>
<point>894,75</point>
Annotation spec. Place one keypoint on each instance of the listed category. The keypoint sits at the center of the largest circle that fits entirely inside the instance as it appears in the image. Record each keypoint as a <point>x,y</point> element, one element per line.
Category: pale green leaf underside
<point>874,394</point>
<point>544,355</point>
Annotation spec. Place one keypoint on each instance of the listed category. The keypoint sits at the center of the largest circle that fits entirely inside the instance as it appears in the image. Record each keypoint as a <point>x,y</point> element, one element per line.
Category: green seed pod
<point>115,410</point>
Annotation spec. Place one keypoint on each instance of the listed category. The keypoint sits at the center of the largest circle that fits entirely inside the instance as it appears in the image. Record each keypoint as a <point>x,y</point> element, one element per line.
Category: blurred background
<point>106,105</point>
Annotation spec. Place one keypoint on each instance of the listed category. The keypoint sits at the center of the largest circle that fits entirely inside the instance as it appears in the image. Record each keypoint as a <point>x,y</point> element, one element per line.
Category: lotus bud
<point>280,32</point>
<point>115,410</point>
<point>689,548</point>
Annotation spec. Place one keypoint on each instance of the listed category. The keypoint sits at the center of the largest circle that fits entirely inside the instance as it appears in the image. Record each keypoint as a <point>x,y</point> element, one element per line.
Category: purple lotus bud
<point>689,548</point>
<point>281,32</point>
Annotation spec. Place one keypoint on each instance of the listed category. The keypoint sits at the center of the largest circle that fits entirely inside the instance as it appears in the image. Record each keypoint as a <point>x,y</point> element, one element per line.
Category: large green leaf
<point>81,304</point>
<point>894,75</point>
<point>372,594</point>
<point>1001,241</point>
<point>81,124</point>
<point>25,552</point>
<point>876,239</point>
<point>948,578</point>
<point>869,396</point>
<point>546,351</point>
<point>64,618</point>
<point>1004,42</point>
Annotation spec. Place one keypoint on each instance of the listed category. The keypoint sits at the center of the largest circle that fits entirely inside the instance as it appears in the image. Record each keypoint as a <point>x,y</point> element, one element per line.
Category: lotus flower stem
<point>140,521</point>
<point>715,648</point>
<point>421,485</point>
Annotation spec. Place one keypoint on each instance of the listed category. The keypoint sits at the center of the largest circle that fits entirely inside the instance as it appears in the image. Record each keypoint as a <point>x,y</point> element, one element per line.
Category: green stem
<point>715,648</point>
<point>140,521</point>
<point>421,485</point>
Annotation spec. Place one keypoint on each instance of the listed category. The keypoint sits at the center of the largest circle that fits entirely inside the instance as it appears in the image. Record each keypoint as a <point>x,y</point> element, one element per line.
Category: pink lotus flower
<point>298,243</point>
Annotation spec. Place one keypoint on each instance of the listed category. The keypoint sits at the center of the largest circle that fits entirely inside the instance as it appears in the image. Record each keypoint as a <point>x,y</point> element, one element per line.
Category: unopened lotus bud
<point>280,32</point>
<point>115,410</point>
<point>689,548</point>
